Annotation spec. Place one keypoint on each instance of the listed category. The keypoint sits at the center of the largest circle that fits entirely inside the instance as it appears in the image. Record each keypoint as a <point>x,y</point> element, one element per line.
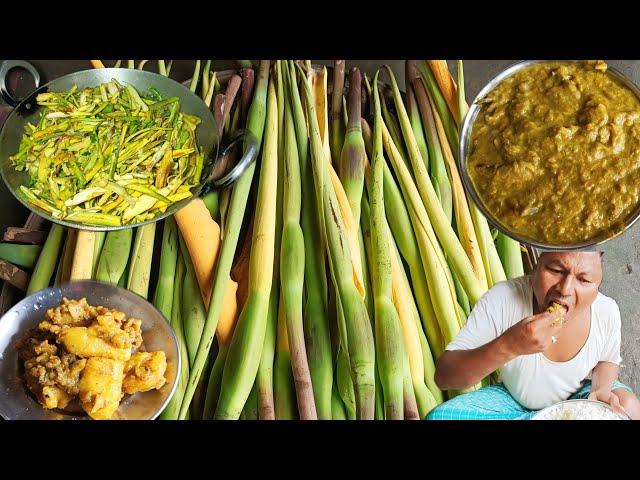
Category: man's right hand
<point>533,334</point>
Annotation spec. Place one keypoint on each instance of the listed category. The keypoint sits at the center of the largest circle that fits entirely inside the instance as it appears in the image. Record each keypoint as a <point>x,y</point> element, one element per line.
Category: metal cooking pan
<point>207,136</point>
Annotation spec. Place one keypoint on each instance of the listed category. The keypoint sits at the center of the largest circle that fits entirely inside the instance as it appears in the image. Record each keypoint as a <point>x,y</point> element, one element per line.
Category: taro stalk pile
<point>325,282</point>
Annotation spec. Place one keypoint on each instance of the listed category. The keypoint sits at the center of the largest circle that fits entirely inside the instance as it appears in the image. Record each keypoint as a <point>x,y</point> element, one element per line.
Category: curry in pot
<point>556,152</point>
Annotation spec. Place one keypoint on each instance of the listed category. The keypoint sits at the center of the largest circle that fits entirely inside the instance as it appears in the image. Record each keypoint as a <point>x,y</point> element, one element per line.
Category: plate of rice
<point>580,409</point>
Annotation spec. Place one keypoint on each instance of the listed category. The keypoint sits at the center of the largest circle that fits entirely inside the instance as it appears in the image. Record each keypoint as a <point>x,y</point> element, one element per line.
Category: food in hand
<point>556,307</point>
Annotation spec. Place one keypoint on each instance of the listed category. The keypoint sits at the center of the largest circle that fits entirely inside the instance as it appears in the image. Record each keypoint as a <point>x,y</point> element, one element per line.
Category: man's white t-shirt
<point>533,380</point>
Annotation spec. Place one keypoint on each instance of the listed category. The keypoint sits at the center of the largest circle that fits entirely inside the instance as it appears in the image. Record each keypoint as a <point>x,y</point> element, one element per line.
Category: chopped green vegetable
<point>95,152</point>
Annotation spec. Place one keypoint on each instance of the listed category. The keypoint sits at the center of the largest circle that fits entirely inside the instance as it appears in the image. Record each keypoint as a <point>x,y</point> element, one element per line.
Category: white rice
<point>583,410</point>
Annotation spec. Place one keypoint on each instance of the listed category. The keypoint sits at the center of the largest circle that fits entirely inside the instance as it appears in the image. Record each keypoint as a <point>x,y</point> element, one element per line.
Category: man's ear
<point>601,268</point>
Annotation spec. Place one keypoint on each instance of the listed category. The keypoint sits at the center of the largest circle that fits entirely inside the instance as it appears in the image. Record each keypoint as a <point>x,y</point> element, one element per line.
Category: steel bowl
<point>465,150</point>
<point>540,415</point>
<point>17,403</point>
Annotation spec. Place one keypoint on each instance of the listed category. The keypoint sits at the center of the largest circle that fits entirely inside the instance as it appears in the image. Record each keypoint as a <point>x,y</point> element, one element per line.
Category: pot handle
<point>8,65</point>
<point>248,157</point>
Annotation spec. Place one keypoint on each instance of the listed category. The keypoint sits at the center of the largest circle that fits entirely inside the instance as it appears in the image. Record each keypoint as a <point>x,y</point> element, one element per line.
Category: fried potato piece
<point>100,387</point>
<point>54,397</point>
<point>98,340</point>
<point>145,371</point>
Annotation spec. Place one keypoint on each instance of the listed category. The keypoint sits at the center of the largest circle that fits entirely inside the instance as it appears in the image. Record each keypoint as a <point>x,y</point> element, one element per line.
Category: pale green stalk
<point>163,296</point>
<point>390,351</point>
<point>239,196</point>
<point>141,258</point>
<point>47,259</point>
<point>315,316</point>
<point>97,248</point>
<point>171,410</point>
<point>437,216</point>
<point>245,350</point>
<point>114,257</point>
<point>292,269</point>
<point>355,329</point>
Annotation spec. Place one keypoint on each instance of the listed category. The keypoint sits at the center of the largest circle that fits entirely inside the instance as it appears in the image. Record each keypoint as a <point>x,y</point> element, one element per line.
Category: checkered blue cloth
<point>494,402</point>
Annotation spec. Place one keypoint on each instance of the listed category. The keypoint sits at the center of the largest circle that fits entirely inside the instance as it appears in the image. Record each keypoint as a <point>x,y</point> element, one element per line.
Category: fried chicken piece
<point>52,375</point>
<point>70,313</point>
<point>145,371</point>
<point>117,315</point>
<point>100,387</point>
<point>133,328</point>
<point>112,318</point>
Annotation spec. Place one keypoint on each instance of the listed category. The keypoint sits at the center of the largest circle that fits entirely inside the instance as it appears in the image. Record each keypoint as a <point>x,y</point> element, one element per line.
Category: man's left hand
<point>607,396</point>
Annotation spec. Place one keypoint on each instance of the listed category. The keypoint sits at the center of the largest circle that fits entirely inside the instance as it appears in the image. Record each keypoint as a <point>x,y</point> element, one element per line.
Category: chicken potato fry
<point>81,356</point>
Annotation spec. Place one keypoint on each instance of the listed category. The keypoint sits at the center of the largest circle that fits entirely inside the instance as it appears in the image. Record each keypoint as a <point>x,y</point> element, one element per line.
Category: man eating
<point>552,335</point>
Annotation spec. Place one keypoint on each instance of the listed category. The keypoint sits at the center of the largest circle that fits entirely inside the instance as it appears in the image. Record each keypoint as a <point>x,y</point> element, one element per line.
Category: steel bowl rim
<point>541,412</point>
<point>464,151</point>
<point>101,228</point>
<point>137,298</point>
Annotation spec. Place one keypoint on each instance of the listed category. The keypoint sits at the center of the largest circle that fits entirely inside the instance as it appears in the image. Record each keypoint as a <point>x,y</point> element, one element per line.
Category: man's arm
<point>603,375</point>
<point>602,378</point>
<point>460,369</point>
<point>607,369</point>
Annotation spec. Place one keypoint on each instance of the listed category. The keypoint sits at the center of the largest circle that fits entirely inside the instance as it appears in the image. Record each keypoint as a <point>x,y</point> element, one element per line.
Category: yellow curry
<point>556,307</point>
<point>88,357</point>
<point>556,152</point>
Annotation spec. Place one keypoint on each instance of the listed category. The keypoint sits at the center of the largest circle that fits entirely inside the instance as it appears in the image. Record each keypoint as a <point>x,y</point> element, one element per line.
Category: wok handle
<point>248,157</point>
<point>8,65</point>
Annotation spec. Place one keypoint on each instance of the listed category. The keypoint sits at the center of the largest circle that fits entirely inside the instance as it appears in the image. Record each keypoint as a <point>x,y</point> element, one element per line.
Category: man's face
<point>570,279</point>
